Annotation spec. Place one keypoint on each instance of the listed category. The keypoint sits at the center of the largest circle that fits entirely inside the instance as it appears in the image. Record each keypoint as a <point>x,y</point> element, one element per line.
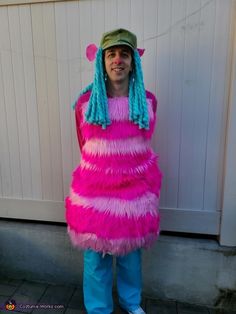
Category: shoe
<point>139,310</point>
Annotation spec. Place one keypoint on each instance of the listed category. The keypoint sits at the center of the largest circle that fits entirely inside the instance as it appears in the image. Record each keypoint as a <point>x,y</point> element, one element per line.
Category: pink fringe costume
<point>114,196</point>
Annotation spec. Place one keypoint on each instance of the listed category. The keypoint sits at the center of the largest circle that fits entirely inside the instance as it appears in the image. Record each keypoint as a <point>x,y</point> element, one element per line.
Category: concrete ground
<point>34,297</point>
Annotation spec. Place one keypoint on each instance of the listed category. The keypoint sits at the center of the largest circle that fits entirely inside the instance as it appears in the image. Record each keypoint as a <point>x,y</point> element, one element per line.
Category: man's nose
<point>117,59</point>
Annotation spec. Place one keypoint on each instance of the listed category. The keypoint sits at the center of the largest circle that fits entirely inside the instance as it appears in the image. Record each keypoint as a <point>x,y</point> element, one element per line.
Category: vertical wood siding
<point>43,67</point>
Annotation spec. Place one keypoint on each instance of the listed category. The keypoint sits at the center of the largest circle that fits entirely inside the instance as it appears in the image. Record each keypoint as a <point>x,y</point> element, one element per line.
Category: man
<point>112,209</point>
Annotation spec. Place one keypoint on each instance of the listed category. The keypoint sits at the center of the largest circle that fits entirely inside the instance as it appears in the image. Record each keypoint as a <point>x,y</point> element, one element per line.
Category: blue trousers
<point>98,281</point>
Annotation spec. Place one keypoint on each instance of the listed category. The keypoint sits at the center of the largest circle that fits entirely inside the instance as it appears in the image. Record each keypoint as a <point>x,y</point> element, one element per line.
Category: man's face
<point>118,63</point>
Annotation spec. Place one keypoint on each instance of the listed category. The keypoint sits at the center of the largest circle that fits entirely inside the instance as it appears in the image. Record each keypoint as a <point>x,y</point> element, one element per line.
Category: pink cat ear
<point>91,51</point>
<point>140,51</point>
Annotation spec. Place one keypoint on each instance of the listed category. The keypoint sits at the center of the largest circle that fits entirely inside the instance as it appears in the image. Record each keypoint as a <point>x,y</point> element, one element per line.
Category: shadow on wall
<point>226,299</point>
<point>39,252</point>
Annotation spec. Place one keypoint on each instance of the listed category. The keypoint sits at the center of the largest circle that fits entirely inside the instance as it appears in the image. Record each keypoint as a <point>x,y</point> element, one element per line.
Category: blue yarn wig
<point>97,112</point>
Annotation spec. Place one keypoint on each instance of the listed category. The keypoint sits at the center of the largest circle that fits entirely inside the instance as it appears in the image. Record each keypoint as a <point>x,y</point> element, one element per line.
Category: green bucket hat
<point>118,37</point>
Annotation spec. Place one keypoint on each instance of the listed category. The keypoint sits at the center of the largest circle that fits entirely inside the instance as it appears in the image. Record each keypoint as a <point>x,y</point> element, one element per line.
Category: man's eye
<point>125,55</point>
<point>111,55</point>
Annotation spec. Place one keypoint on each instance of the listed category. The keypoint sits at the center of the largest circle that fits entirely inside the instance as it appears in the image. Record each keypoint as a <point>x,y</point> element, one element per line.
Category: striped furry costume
<point>114,196</point>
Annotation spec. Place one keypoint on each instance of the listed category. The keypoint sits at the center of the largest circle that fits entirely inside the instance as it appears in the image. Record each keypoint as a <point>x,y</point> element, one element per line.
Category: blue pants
<point>98,281</point>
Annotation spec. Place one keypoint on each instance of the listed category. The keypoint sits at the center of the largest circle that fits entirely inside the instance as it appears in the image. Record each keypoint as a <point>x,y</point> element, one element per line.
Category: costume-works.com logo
<point>10,305</point>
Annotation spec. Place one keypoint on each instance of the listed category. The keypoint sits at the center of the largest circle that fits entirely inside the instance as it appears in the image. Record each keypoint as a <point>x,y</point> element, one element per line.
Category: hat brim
<point>119,43</point>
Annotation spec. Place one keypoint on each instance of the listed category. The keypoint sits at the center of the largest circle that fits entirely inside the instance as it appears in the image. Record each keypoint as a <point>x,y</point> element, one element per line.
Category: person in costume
<point>112,208</point>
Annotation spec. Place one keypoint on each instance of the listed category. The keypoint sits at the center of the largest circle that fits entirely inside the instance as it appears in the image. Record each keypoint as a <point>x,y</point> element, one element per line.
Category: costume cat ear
<point>140,51</point>
<point>92,49</point>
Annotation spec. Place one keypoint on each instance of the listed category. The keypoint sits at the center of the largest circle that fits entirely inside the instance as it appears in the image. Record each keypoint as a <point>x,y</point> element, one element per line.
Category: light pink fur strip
<point>111,170</point>
<point>119,109</point>
<point>148,202</point>
<point>132,145</point>
<point>115,247</point>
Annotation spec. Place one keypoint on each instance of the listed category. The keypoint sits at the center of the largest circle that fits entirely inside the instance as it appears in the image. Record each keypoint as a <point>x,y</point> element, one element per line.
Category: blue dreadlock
<point>97,112</point>
<point>138,112</point>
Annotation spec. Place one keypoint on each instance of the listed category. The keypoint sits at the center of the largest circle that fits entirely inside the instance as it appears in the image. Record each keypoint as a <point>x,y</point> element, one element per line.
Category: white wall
<point>43,67</point>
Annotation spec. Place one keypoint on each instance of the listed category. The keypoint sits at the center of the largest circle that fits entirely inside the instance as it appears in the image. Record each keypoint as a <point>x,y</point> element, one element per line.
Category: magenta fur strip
<point>119,109</point>
<point>116,130</point>
<point>133,145</point>
<point>131,167</point>
<point>107,226</point>
<point>127,186</point>
<point>115,246</point>
<point>147,203</point>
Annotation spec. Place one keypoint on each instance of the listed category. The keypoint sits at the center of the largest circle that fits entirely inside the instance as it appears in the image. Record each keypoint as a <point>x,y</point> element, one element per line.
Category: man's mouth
<point>117,70</point>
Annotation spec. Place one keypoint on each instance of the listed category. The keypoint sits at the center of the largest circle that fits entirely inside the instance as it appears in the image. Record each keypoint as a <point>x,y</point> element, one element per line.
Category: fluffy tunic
<point>114,194</point>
